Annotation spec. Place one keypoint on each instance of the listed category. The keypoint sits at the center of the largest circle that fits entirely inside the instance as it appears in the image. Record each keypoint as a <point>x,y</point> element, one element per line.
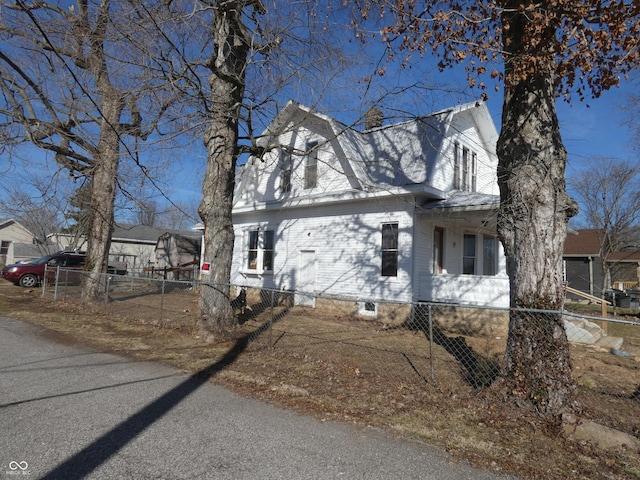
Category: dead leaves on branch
<point>587,46</point>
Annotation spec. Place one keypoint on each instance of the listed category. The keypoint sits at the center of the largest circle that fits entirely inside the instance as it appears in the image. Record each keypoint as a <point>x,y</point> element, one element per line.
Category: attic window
<point>286,165</point>
<point>469,169</point>
<point>311,166</point>
<point>465,168</point>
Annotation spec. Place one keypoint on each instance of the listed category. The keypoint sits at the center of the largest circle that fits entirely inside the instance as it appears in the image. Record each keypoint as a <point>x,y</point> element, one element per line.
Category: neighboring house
<point>583,268</point>
<point>178,255</point>
<point>404,212</point>
<point>133,244</point>
<point>17,243</point>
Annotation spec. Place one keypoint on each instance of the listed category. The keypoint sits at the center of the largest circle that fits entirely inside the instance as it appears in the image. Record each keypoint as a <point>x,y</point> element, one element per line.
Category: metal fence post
<point>43,285</point>
<point>106,294</point>
<point>433,373</point>
<point>55,288</point>
<point>162,302</point>
<point>273,297</point>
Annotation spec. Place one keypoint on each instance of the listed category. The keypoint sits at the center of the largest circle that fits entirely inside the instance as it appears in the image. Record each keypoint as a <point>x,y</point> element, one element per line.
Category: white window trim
<point>286,165</point>
<point>259,270</point>
<point>479,257</point>
<point>396,250</point>
<point>312,149</point>
<point>362,308</point>
<point>465,168</point>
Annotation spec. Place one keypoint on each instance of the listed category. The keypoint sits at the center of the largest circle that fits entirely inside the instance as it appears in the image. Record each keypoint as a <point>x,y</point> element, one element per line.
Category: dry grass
<point>362,372</point>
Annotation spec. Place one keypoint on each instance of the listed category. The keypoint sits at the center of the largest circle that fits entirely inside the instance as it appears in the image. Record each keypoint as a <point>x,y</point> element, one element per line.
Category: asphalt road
<point>67,412</point>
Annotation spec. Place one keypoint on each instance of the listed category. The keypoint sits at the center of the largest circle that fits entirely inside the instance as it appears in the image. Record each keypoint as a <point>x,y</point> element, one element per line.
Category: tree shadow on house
<point>479,371</point>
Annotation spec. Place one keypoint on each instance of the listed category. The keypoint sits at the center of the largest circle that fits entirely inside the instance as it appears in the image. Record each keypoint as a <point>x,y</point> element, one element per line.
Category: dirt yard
<point>365,372</point>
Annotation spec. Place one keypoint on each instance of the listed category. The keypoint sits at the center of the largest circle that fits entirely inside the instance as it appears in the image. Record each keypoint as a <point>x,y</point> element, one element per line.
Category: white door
<point>306,279</point>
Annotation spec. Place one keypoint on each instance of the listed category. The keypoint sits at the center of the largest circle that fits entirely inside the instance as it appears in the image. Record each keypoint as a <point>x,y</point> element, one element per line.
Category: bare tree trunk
<point>535,209</point>
<point>227,82</point>
<point>104,170</point>
<point>103,184</point>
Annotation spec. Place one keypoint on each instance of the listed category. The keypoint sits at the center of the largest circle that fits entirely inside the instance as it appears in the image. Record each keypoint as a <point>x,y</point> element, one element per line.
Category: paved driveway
<point>67,412</point>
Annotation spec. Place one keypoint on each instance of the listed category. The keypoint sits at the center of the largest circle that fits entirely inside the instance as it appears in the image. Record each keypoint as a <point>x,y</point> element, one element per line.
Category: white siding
<point>465,133</point>
<point>452,286</point>
<point>261,179</point>
<point>347,245</point>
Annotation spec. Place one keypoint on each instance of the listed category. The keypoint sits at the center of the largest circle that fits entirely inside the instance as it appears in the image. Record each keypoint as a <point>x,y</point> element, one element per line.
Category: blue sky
<point>588,131</point>
<point>597,129</point>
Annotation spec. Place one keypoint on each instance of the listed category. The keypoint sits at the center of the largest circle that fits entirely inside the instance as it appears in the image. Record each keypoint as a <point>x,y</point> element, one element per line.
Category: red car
<point>30,274</point>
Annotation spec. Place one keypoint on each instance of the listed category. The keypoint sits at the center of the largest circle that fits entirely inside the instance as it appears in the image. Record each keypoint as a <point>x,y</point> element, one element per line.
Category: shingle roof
<point>146,233</point>
<point>464,201</point>
<point>585,242</point>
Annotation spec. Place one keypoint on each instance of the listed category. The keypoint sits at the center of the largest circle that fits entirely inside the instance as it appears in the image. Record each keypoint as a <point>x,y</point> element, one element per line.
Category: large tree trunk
<point>532,223</point>
<point>103,184</point>
<point>227,82</point>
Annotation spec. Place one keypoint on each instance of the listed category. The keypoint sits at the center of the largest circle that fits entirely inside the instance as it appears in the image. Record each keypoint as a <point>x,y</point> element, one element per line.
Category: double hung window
<point>469,255</point>
<point>260,250</point>
<point>465,168</point>
<point>286,168</point>
<point>311,166</point>
<point>438,247</point>
<point>389,249</point>
<point>489,255</point>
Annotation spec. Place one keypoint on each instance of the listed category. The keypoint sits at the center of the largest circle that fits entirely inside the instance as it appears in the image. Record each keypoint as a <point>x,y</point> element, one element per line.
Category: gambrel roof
<point>405,158</point>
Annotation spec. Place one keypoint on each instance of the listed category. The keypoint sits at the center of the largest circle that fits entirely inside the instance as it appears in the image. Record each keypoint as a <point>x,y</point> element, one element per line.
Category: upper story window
<point>465,168</point>
<point>311,166</point>
<point>260,250</point>
<point>286,167</point>
<point>389,249</point>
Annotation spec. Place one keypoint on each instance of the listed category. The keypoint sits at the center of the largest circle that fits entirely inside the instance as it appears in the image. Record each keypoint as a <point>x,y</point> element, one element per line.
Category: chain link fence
<point>377,344</point>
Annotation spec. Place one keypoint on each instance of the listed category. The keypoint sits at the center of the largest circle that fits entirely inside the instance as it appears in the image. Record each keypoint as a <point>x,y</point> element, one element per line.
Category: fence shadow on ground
<point>479,371</point>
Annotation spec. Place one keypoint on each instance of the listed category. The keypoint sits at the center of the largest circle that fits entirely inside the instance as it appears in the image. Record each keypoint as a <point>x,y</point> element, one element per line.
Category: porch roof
<point>464,202</point>
<point>474,210</point>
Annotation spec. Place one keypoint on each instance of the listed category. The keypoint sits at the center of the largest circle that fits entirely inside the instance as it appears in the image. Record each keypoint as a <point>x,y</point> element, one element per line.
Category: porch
<point>480,290</point>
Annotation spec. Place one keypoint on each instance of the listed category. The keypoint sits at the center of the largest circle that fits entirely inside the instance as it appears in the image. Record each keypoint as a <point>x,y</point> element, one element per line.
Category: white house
<point>404,212</point>
<point>17,243</point>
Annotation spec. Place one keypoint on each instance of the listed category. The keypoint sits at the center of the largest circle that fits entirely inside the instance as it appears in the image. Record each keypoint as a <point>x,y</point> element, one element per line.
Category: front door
<point>306,279</point>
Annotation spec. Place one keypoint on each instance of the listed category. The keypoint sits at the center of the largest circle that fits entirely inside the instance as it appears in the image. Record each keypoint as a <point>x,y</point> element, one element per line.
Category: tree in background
<point>78,82</point>
<point>608,191</point>
<point>547,49</point>
<point>78,214</point>
<point>34,205</point>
